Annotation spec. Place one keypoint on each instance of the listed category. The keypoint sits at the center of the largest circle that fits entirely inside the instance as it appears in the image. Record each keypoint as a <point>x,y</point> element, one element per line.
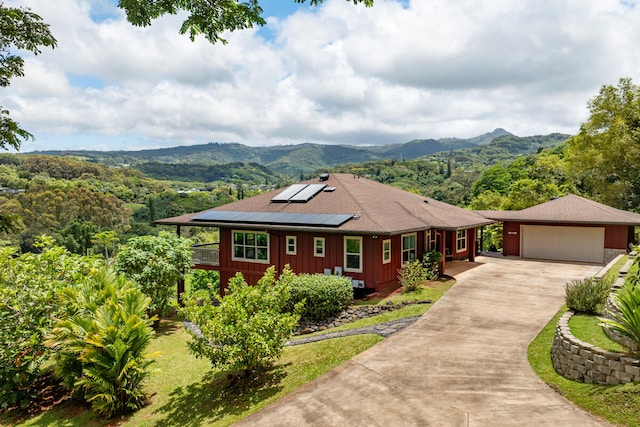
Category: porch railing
<point>206,254</point>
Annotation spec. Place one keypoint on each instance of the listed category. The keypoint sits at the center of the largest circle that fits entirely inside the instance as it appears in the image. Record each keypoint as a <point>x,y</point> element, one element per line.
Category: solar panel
<point>274,218</point>
<point>289,192</point>
<point>307,194</point>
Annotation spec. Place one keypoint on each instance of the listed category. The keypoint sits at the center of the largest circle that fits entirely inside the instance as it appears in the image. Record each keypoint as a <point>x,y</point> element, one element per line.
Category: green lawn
<point>617,404</point>
<point>587,328</point>
<point>186,391</point>
<point>612,274</point>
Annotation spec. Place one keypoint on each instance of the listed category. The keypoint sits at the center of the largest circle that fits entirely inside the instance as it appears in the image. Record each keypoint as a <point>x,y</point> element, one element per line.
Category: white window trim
<point>361,256</point>
<point>315,246</point>
<point>255,261</point>
<point>386,257</point>
<point>295,245</point>
<point>403,250</point>
<point>430,236</point>
<point>463,239</point>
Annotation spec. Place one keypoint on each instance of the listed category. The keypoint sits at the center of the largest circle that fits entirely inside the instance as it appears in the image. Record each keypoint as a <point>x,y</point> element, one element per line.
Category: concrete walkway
<point>464,363</point>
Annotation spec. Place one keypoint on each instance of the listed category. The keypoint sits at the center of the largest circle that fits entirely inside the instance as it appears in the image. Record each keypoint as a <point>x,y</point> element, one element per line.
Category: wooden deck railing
<point>206,254</point>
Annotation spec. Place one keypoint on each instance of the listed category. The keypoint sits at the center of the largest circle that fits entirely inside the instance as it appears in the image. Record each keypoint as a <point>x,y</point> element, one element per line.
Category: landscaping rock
<point>384,329</point>
<point>351,314</point>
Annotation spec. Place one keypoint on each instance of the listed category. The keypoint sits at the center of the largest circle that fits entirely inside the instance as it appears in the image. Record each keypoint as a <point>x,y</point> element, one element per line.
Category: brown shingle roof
<point>377,208</point>
<point>568,209</point>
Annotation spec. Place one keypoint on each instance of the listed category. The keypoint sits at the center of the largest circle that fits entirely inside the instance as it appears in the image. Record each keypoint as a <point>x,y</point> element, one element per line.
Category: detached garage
<point>570,228</point>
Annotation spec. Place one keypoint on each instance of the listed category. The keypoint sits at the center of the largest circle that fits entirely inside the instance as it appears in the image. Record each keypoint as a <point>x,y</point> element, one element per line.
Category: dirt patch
<point>50,394</point>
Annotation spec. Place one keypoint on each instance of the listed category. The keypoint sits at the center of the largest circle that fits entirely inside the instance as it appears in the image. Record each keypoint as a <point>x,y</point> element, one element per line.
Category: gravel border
<point>383,329</point>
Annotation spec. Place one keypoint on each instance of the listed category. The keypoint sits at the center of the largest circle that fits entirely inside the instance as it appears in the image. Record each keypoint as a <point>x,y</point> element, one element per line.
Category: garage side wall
<point>616,236</point>
<point>511,238</point>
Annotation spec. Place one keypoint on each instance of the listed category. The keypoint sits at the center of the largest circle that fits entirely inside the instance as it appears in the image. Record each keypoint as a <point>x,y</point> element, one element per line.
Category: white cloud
<point>335,74</point>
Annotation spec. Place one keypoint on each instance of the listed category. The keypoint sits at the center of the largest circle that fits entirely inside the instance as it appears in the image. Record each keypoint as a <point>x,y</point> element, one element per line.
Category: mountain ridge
<point>307,157</point>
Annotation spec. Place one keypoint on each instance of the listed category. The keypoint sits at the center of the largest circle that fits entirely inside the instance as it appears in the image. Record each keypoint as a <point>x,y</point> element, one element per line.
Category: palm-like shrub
<point>626,321</point>
<point>587,295</point>
<point>248,328</point>
<point>100,342</point>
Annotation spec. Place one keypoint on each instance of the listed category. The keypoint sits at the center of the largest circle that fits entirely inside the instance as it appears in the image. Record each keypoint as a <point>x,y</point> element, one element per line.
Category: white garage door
<point>584,244</point>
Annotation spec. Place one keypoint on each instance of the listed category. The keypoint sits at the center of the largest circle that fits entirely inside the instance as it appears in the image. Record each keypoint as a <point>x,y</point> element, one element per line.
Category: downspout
<point>280,267</point>
<point>442,250</point>
<point>180,287</point>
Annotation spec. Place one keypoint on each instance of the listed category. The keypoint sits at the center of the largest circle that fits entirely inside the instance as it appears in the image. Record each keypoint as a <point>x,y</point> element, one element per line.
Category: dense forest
<point>73,200</point>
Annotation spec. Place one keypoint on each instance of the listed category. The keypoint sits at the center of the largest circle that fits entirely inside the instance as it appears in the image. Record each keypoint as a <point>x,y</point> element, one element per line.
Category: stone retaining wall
<point>580,361</point>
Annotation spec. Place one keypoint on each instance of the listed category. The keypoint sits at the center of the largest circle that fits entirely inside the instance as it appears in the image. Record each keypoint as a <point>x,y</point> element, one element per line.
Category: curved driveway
<point>464,363</point>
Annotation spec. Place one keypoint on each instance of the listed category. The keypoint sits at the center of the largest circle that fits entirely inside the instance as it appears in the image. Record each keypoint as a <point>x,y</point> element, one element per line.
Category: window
<point>353,254</point>
<point>386,251</point>
<point>318,246</point>
<point>408,247</point>
<point>250,246</point>
<point>291,245</point>
<point>461,240</point>
<point>431,238</point>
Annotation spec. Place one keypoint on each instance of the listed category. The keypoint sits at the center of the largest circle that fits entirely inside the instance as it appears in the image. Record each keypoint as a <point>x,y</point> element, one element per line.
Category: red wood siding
<point>451,239</point>
<point>375,274</point>
<point>511,239</point>
<point>616,236</point>
<point>454,249</point>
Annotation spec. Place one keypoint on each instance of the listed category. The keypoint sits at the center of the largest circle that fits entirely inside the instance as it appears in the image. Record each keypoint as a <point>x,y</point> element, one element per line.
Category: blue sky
<point>280,8</point>
<point>335,74</point>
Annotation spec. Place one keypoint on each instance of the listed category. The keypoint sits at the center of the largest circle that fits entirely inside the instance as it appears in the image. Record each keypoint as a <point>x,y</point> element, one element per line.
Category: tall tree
<point>605,156</point>
<point>496,178</point>
<point>156,263</point>
<point>210,18</point>
<point>20,29</point>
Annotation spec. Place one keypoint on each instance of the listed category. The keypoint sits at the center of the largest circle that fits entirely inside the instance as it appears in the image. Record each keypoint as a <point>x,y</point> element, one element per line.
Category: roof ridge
<point>402,205</point>
<point>606,208</point>
<point>355,200</point>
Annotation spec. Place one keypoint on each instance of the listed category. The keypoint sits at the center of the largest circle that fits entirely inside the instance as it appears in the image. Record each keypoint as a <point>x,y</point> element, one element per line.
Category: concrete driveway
<point>464,363</point>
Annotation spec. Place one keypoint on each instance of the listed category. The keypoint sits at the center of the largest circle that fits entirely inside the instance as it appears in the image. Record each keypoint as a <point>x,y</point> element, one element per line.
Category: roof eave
<point>566,221</point>
<point>337,230</point>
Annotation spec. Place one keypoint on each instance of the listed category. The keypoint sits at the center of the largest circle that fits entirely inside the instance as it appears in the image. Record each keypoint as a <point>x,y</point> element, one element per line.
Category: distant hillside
<point>285,159</point>
<point>502,149</point>
<point>228,172</point>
